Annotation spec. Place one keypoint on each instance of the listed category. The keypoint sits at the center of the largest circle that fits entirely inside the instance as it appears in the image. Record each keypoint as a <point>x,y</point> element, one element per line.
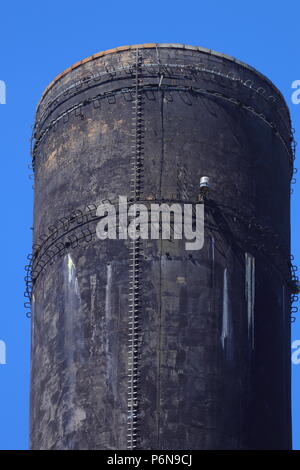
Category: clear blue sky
<point>40,39</point>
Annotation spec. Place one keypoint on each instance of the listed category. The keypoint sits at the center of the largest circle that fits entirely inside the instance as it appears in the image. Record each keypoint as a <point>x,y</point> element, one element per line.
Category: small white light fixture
<point>204,187</point>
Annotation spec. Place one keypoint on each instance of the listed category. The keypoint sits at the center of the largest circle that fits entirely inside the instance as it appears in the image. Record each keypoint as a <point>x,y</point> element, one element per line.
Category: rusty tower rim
<point>163,46</point>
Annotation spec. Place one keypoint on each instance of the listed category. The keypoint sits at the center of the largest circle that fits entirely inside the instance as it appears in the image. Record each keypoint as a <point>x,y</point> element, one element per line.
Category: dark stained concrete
<point>213,342</point>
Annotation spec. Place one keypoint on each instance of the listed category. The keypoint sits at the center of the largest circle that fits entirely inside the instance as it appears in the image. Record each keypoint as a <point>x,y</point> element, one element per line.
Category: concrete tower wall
<point>210,366</point>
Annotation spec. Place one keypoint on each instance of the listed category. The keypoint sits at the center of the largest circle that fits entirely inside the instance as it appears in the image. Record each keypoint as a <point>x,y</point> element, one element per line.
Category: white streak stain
<point>72,274</point>
<point>71,317</point>
<point>250,295</point>
<point>93,284</point>
<point>225,319</point>
<point>93,289</point>
<point>108,292</point>
<point>108,317</point>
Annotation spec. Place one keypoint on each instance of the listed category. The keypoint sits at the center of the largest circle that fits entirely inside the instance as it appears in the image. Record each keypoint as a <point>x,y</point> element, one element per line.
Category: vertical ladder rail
<point>134,266</point>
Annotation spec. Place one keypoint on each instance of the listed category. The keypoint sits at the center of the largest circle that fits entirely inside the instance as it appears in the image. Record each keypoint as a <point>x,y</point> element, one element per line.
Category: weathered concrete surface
<point>214,367</point>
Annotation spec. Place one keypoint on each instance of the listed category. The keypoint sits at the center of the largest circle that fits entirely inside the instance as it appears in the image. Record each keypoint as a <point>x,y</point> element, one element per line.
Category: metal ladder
<point>135,265</point>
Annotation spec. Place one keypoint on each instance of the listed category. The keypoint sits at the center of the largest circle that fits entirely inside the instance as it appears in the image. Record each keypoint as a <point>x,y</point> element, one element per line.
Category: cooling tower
<point>144,344</point>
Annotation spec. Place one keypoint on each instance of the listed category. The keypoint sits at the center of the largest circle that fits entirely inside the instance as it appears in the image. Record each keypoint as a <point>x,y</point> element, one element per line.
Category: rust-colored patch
<point>51,162</point>
<point>118,123</point>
